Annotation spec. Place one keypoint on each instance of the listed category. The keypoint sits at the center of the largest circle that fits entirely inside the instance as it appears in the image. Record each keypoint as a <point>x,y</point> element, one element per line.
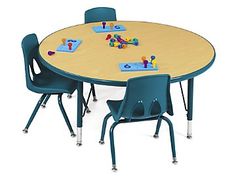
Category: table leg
<point>190,108</point>
<point>79,112</point>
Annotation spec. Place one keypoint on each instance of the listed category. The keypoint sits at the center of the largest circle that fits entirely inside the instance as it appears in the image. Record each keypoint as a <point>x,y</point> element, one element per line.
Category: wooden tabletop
<point>179,52</point>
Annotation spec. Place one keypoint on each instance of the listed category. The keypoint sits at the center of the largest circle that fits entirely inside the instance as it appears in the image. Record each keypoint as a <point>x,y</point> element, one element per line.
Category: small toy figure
<point>154,63</point>
<point>143,58</point>
<point>103,25</point>
<point>70,45</point>
<point>152,58</point>
<point>108,37</point>
<point>111,26</point>
<point>145,62</point>
<point>63,41</point>
<point>50,53</point>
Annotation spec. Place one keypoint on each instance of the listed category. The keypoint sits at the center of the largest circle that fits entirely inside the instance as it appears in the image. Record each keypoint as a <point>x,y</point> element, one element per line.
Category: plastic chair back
<point>147,96</point>
<point>30,46</point>
<point>100,14</point>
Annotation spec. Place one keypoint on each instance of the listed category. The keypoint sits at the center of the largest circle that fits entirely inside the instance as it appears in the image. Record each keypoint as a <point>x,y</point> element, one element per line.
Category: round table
<point>180,53</point>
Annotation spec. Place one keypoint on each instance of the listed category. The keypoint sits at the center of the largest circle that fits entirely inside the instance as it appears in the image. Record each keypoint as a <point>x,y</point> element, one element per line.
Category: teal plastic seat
<point>99,14</point>
<point>45,82</point>
<point>146,98</point>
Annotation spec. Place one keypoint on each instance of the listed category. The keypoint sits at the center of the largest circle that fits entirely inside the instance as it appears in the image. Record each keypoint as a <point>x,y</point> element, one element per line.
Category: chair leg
<point>86,108</point>
<point>43,105</point>
<point>34,113</point>
<point>112,145</point>
<point>93,92</point>
<point>85,102</point>
<point>172,139</point>
<point>156,135</point>
<point>104,125</point>
<point>65,115</point>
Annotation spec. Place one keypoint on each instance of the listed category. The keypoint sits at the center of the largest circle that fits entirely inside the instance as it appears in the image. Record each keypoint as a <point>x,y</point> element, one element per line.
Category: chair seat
<point>49,82</point>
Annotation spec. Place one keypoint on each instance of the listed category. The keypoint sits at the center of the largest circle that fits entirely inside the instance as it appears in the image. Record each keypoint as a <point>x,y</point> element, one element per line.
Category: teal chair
<point>45,82</point>
<point>146,98</point>
<point>99,14</point>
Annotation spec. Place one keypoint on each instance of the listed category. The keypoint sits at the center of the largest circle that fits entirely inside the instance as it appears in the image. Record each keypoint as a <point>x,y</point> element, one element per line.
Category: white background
<point>48,149</point>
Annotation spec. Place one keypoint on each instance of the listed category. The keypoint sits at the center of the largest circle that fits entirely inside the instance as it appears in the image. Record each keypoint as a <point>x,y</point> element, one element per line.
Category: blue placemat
<point>136,67</point>
<point>99,29</point>
<point>65,48</point>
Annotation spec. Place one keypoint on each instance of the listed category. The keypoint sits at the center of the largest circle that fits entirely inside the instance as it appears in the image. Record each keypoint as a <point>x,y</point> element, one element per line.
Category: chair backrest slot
<point>155,108</point>
<point>138,110</point>
<point>36,66</point>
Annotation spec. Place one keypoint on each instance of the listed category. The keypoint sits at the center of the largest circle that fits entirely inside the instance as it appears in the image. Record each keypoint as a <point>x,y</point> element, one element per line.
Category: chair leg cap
<point>114,169</point>
<point>95,99</point>
<point>43,105</point>
<point>88,110</point>
<point>189,136</point>
<point>101,142</point>
<point>73,134</point>
<point>25,131</point>
<point>79,144</point>
<point>156,136</point>
<point>174,161</point>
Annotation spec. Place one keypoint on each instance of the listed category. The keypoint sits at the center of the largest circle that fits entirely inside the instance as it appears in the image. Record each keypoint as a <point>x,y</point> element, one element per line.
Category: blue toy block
<point>65,48</point>
<point>138,66</point>
<point>100,29</point>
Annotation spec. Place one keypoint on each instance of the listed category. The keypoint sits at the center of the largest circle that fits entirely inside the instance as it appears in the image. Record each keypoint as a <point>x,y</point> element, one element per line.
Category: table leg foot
<point>79,136</point>
<point>189,129</point>
<point>114,169</point>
